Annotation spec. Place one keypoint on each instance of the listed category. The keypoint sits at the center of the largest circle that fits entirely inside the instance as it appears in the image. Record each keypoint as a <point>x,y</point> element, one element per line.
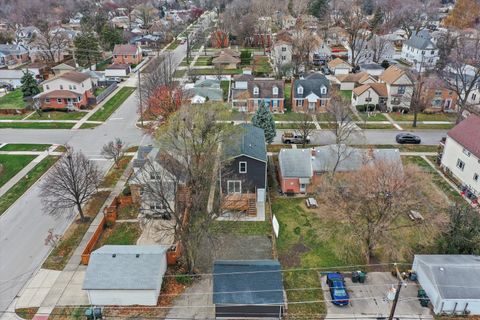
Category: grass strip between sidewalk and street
<point>25,147</point>
<point>25,183</point>
<point>111,105</point>
<point>36,125</point>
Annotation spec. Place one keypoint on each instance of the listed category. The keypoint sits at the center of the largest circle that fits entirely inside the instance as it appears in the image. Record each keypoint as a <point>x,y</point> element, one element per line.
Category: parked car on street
<point>339,293</point>
<point>407,138</point>
<point>290,137</point>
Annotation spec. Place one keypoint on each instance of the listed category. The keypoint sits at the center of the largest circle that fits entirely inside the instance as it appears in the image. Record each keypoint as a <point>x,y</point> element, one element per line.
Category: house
<point>322,54</point>
<point>98,77</point>
<point>62,68</point>
<point>24,35</point>
<point>310,94</point>
<point>243,178</point>
<point>451,282</point>
<point>13,77</point>
<point>300,170</point>
<point>127,54</point>
<point>437,97</point>
<point>226,61</point>
<point>124,275</point>
<point>261,285</point>
<point>338,66</point>
<point>376,49</point>
<point>420,51</point>
<point>282,52</point>
<point>12,54</point>
<point>461,154</point>
<point>71,90</point>
<point>203,91</point>
<point>239,90</point>
<point>399,88</point>
<point>373,69</point>
<point>352,80</point>
<point>117,71</point>
<point>370,94</point>
<point>267,92</point>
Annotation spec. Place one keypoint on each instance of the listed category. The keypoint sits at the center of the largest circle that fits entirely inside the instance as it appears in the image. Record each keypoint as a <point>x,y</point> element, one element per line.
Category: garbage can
<point>362,276</point>
<point>355,276</point>
<point>93,313</point>
<point>413,276</point>
<point>421,293</point>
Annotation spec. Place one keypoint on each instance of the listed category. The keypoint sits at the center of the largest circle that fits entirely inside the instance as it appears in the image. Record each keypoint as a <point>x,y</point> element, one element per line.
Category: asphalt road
<point>25,225</point>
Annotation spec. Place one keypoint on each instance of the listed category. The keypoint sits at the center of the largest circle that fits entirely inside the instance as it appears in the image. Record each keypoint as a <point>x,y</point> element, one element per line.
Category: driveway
<point>370,299</point>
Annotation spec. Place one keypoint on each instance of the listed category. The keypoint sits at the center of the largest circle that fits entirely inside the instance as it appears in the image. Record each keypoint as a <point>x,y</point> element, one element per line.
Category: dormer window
<point>323,90</point>
<point>275,91</point>
<point>300,90</point>
<point>255,90</point>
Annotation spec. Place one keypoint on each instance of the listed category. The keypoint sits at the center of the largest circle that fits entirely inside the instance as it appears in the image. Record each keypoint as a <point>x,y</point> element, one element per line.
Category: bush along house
<point>69,91</point>
<point>243,178</point>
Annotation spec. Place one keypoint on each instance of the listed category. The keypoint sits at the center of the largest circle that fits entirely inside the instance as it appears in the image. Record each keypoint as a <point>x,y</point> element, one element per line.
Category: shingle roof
<point>467,133</point>
<point>454,276</point>
<point>391,74</point>
<point>421,40</point>
<point>119,267</point>
<point>58,94</point>
<point>12,49</point>
<point>228,51</point>
<point>119,66</point>
<point>353,77</point>
<point>336,62</point>
<point>255,282</point>
<point>63,66</point>
<point>311,84</point>
<point>265,88</point>
<point>249,141</point>
<point>295,163</point>
<point>379,88</point>
<point>225,58</point>
<point>75,76</point>
<point>125,49</point>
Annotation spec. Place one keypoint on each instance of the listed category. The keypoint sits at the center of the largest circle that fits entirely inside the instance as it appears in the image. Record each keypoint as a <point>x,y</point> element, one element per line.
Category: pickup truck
<point>290,137</point>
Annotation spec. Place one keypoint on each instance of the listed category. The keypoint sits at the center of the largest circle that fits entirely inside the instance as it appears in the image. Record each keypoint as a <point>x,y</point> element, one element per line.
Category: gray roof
<point>247,282</point>
<point>207,83</point>
<point>454,276</point>
<point>213,94</point>
<point>12,49</point>
<point>125,267</point>
<point>421,40</point>
<point>249,142</point>
<point>311,84</point>
<point>295,163</point>
<point>371,66</point>
<point>142,155</point>
<point>265,88</point>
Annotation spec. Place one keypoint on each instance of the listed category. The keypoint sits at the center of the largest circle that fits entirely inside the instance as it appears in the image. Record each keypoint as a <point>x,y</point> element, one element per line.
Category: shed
<point>117,70</point>
<point>452,282</point>
<point>248,289</point>
<point>125,275</point>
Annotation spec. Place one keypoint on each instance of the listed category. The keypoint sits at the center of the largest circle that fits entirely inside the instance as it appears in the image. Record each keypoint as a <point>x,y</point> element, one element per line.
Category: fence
<point>107,92</point>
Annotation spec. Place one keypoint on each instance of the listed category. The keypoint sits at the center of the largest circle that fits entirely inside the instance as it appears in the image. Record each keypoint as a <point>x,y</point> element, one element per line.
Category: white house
<point>399,88</point>
<point>282,52</point>
<point>125,275</point>
<point>461,154</point>
<point>117,70</point>
<point>452,282</point>
<point>420,51</point>
<point>14,77</point>
<point>370,94</point>
<point>338,66</point>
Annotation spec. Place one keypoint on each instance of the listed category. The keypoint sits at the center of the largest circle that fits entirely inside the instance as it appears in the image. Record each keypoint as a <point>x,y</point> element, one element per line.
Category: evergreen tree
<point>86,49</point>
<point>110,37</point>
<point>367,7</point>
<point>29,85</point>
<point>318,8</point>
<point>463,232</point>
<point>263,118</point>
<point>377,20</point>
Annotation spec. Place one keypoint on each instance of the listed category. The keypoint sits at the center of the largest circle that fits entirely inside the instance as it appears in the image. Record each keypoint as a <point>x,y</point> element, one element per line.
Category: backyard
<point>13,100</point>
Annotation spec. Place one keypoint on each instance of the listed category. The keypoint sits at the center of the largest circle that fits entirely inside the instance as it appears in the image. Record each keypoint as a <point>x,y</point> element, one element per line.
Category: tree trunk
<point>415,116</point>
<point>80,211</point>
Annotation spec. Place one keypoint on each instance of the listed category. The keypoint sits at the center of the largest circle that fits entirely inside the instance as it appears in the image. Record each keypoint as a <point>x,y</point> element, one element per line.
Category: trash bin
<point>355,276</point>
<point>421,293</point>
<point>413,276</point>
<point>424,302</point>
<point>93,313</point>
<point>362,276</point>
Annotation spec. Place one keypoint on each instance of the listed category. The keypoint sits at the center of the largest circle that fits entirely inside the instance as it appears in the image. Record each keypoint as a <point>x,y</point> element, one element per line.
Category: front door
<point>303,187</point>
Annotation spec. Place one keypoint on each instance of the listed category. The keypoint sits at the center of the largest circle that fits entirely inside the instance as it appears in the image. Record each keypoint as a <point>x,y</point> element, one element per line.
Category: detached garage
<point>248,289</point>
<point>452,282</point>
<point>125,275</point>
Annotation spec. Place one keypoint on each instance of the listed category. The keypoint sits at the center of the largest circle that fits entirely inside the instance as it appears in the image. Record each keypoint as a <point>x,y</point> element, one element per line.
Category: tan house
<point>352,80</point>
<point>226,61</point>
<point>338,66</point>
<point>370,94</point>
<point>399,88</point>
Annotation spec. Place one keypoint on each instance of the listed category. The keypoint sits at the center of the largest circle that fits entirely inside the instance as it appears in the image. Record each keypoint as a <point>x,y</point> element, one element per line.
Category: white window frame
<point>61,87</point>
<point>256,90</point>
<point>300,90</point>
<point>275,91</point>
<point>234,184</point>
<point>47,100</point>
<point>59,100</point>
<point>460,164</point>
<point>323,90</point>
<point>466,152</point>
<point>240,167</point>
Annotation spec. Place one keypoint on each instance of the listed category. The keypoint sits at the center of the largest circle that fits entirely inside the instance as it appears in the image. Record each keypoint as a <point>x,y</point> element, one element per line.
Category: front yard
<point>424,116</point>
<point>57,115</point>
<point>13,100</point>
<point>10,165</point>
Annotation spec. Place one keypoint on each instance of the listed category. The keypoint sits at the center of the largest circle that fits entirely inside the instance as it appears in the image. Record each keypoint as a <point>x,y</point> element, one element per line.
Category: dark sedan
<point>407,138</point>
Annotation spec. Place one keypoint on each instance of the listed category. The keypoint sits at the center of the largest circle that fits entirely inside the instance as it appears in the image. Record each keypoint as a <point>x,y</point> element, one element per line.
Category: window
<point>74,87</point>
<point>70,87</point>
<point>125,56</point>
<point>234,186</point>
<point>255,90</point>
<point>474,96</point>
<point>61,87</point>
<point>432,52</point>
<point>153,176</point>
<point>242,167</point>
<point>134,56</point>
<point>284,49</point>
<point>401,90</point>
<point>323,90</point>
<point>59,100</point>
<point>156,206</point>
<point>423,53</point>
<point>300,90</point>
<point>115,56</point>
<point>460,164</point>
<point>275,91</point>
<point>368,99</point>
<point>48,88</point>
<point>47,100</point>
<point>438,92</point>
<point>299,102</point>
<point>274,103</point>
<point>284,58</point>
<point>466,152</point>
<point>475,177</point>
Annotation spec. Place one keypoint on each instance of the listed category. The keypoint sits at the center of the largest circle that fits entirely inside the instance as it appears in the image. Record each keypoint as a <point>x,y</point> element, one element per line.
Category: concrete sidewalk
<point>393,122</point>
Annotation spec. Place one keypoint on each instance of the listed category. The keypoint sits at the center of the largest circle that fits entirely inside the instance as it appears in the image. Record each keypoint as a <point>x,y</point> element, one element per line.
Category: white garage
<point>452,282</point>
<point>125,275</point>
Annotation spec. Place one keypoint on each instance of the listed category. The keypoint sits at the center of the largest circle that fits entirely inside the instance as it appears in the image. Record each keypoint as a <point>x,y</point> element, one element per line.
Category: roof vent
<point>114,255</point>
<point>137,255</point>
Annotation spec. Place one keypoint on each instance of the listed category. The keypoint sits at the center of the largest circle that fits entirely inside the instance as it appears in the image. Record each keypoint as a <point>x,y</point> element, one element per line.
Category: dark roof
<point>250,141</point>
<point>467,133</point>
<point>141,156</point>
<point>266,88</point>
<point>421,40</point>
<point>121,66</point>
<point>312,83</point>
<point>125,49</point>
<point>247,282</point>
<point>75,76</point>
<point>243,77</point>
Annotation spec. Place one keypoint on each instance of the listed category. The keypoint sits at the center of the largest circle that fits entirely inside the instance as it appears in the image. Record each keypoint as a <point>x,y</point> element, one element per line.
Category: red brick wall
<point>251,106</point>
<point>127,59</point>
<point>304,106</point>
<point>290,185</point>
<point>54,104</point>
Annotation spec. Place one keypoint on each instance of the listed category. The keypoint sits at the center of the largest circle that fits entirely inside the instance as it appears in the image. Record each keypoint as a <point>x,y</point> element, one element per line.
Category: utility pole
<point>397,293</point>
<point>140,96</point>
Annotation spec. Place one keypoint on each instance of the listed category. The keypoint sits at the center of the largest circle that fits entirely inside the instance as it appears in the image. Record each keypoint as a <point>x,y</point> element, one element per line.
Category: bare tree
<point>114,150</point>
<point>355,24</point>
<point>158,73</point>
<point>379,47</point>
<point>304,42</point>
<point>417,104</point>
<point>71,182</point>
<point>305,127</point>
<point>50,43</point>
<point>373,203</point>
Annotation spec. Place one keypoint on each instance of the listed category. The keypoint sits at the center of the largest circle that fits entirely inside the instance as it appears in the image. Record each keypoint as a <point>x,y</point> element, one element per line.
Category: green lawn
<point>99,90</point>
<point>203,61</point>
<point>287,93</point>
<point>373,117</point>
<point>261,65</point>
<point>257,228</point>
<point>173,45</point>
<point>11,165</point>
<point>375,125</point>
<point>204,72</point>
<point>36,125</point>
<point>24,184</point>
<point>57,115</point>
<point>13,116</point>
<point>299,246</point>
<point>179,73</point>
<point>125,233</point>
<point>225,85</point>
<point>346,94</point>
<point>290,116</point>
<point>237,115</point>
<point>13,100</point>
<point>89,125</point>
<point>421,126</point>
<point>108,108</point>
<point>423,116</point>
<point>24,147</point>
<point>293,126</point>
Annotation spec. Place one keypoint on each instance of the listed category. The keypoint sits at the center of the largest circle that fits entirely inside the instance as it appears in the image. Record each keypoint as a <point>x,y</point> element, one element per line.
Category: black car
<point>407,138</point>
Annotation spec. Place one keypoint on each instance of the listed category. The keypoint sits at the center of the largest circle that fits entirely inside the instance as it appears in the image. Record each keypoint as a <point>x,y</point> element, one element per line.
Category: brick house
<point>12,54</point>
<point>437,97</point>
<point>248,93</point>
<point>310,93</point>
<point>227,59</point>
<point>71,90</point>
<point>127,54</point>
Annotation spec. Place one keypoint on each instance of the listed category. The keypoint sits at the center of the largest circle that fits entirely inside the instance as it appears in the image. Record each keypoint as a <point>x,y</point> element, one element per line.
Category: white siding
<point>452,152</point>
<point>360,100</point>
<point>347,85</point>
<point>116,73</point>
<point>341,70</point>
<point>122,297</point>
